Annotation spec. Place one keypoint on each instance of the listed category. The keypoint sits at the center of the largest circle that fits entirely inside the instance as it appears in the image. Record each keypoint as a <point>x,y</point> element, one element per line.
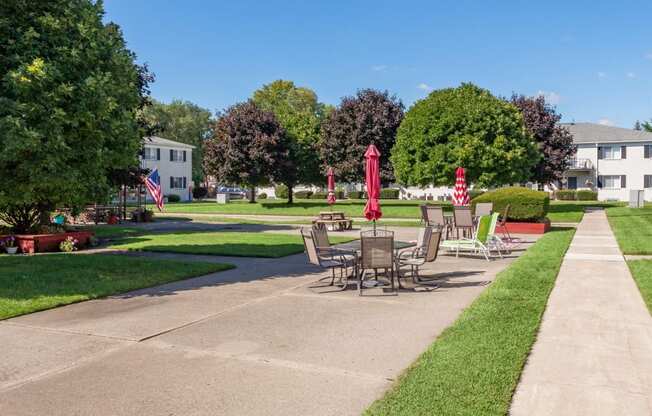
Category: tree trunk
<point>252,195</point>
<point>44,214</point>
<point>290,194</point>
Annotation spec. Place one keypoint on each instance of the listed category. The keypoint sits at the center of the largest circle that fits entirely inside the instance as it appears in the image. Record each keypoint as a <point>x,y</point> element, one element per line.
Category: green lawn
<point>34,283</point>
<point>560,211</point>
<point>114,231</point>
<point>474,365</point>
<point>222,243</point>
<point>352,208</point>
<point>262,221</point>
<point>573,211</point>
<point>642,272</point>
<point>633,228</point>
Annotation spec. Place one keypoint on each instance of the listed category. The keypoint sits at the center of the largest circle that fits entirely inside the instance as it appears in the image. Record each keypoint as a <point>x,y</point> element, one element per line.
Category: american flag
<point>153,184</point>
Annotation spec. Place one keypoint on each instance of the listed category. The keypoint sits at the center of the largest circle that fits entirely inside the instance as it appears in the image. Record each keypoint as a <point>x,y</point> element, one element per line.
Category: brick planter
<point>39,243</point>
<point>525,227</point>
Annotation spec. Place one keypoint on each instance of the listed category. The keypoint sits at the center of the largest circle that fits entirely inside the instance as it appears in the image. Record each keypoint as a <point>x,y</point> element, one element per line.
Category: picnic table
<point>333,221</point>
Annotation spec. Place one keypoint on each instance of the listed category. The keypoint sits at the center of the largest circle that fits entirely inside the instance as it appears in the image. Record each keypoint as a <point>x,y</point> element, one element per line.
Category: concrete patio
<point>265,338</point>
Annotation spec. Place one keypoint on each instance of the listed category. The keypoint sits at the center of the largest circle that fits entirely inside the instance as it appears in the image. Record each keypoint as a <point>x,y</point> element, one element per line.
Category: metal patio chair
<point>377,253</point>
<point>437,219</point>
<point>329,258</point>
<point>483,208</point>
<point>463,221</point>
<point>425,252</point>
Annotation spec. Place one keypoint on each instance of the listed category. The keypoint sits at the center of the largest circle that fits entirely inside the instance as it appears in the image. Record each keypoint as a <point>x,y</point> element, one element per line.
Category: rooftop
<point>598,133</point>
<point>160,141</point>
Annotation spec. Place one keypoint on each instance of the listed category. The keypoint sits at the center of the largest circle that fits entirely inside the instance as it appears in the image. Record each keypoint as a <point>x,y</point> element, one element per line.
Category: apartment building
<point>611,160</point>
<point>174,163</point>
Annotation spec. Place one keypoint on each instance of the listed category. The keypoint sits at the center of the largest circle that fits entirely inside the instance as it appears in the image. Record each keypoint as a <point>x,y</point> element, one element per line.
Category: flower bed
<point>525,227</point>
<point>39,243</point>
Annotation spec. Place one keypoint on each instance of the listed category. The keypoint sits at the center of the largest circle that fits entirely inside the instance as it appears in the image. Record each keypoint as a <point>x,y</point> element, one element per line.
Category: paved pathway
<point>593,355</point>
<point>263,339</point>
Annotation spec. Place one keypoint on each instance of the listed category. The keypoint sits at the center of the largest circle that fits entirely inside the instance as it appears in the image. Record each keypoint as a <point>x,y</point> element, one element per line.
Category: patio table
<point>355,247</point>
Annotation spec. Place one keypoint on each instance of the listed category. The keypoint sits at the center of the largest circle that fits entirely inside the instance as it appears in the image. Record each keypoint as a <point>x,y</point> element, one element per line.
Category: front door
<point>572,182</point>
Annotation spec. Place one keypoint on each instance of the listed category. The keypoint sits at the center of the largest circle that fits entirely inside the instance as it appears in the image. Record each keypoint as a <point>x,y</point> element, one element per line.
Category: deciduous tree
<point>247,146</point>
<point>300,114</point>
<point>554,141</point>
<point>464,126</point>
<point>70,96</point>
<point>369,117</point>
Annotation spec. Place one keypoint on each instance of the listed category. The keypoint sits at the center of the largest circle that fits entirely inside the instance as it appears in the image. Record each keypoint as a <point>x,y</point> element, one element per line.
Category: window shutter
<point>623,181</point>
<point>623,152</point>
<point>171,182</point>
<point>184,180</point>
<point>600,153</point>
<point>171,155</point>
<point>158,153</point>
<point>600,180</point>
<point>184,155</point>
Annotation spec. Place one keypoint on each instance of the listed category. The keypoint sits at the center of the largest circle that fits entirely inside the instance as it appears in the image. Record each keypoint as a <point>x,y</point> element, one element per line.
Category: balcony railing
<point>580,164</point>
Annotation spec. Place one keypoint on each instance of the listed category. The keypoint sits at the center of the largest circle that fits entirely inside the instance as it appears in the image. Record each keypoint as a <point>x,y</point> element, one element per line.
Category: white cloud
<point>379,68</point>
<point>550,96</point>
<point>425,87</point>
<point>630,75</point>
<point>605,122</point>
<point>602,75</point>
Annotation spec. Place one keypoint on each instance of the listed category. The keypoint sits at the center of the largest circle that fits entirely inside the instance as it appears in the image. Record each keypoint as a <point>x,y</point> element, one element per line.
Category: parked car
<point>233,192</point>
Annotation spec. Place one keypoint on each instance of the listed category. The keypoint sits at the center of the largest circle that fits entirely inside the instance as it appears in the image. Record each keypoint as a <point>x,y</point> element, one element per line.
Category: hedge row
<point>524,204</point>
<point>281,192</point>
<point>572,195</point>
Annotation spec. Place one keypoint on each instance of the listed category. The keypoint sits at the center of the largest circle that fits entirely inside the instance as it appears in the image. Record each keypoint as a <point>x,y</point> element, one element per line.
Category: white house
<point>611,160</point>
<point>174,163</point>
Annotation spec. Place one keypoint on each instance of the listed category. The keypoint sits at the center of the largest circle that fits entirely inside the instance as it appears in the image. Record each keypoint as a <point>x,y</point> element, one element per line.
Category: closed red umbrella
<point>372,180</point>
<point>461,193</point>
<point>331,186</point>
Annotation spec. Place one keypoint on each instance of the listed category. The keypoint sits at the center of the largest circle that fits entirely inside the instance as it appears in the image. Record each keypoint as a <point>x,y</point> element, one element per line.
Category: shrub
<point>525,204</point>
<point>173,198</point>
<point>356,195</point>
<point>319,195</point>
<point>587,195</point>
<point>199,192</point>
<point>474,193</point>
<point>262,195</point>
<point>389,193</point>
<point>68,245</point>
<point>339,194</point>
<point>281,191</point>
<point>566,195</point>
<point>302,194</point>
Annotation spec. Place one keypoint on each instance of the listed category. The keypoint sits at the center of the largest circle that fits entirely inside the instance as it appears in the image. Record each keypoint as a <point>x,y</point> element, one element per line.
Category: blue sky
<point>592,59</point>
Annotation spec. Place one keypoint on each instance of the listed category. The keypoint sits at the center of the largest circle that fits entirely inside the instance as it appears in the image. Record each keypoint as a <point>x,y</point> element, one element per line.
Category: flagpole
<point>144,215</point>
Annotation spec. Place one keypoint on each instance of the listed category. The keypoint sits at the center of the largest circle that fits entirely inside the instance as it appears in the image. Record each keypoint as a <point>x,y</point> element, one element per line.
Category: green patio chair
<point>482,241</point>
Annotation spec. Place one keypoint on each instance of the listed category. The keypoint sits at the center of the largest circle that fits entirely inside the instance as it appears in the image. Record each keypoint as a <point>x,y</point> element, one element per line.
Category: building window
<point>647,181</point>
<point>152,153</point>
<point>177,155</point>
<point>611,152</point>
<point>612,181</point>
<point>177,182</point>
<point>647,150</point>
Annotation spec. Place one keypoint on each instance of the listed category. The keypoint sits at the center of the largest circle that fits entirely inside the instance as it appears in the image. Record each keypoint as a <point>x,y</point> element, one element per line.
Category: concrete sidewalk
<point>266,338</point>
<point>593,355</point>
